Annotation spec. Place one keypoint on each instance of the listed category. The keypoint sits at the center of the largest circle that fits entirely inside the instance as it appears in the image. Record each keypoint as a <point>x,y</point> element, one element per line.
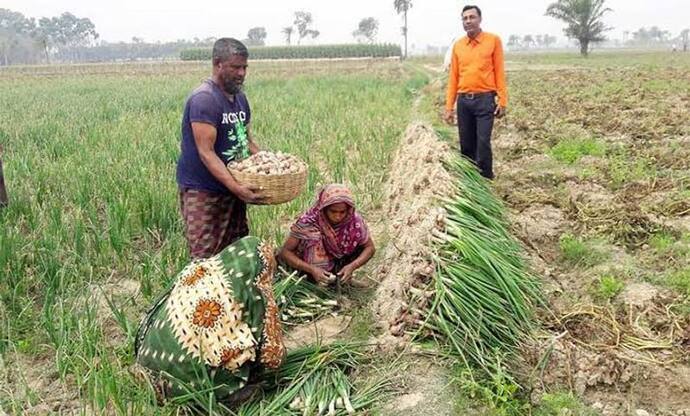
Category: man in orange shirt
<point>477,82</point>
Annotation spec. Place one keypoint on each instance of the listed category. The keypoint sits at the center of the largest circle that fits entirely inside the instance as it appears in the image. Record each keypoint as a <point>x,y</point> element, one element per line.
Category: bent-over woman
<point>216,326</point>
<point>330,238</point>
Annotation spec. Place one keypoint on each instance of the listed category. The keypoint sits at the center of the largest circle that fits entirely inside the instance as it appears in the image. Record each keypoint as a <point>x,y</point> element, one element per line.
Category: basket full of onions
<point>281,177</point>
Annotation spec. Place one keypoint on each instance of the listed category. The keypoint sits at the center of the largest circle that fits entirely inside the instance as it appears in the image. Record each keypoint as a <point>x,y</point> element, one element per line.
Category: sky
<point>430,22</point>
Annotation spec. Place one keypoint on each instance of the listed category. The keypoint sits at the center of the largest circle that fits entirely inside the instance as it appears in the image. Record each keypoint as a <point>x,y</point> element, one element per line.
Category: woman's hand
<point>346,273</point>
<point>322,277</point>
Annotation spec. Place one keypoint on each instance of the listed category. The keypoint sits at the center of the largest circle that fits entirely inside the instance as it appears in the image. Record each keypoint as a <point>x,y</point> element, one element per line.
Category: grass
<point>661,242</point>
<point>570,150</point>
<point>576,251</point>
<point>680,281</point>
<point>608,287</point>
<point>362,326</point>
<point>624,168</point>
<point>602,59</point>
<point>561,403</point>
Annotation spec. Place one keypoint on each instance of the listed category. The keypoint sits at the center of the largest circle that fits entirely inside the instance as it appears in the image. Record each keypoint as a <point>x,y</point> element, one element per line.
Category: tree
<point>684,35</point>
<point>72,31</point>
<point>548,40</point>
<point>402,6</point>
<point>44,34</point>
<point>641,35</point>
<point>287,31</point>
<point>583,18</point>
<point>540,40</point>
<point>513,42</point>
<point>303,22</point>
<point>66,34</point>
<point>650,36</point>
<point>367,29</point>
<point>528,41</point>
<point>15,37</point>
<point>657,35</point>
<point>256,36</point>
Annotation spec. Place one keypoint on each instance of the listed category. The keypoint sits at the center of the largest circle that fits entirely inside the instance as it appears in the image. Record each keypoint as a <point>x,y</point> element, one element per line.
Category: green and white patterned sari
<point>217,322</point>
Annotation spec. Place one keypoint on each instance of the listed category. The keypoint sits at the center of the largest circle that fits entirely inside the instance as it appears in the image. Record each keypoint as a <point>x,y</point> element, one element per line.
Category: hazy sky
<point>433,22</point>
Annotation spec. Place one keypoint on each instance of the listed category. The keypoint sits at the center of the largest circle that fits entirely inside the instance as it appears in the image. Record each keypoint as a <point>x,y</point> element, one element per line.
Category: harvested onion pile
<point>268,163</point>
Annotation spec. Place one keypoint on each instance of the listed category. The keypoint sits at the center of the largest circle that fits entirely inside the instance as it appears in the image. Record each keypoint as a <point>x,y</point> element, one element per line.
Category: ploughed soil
<point>623,356</point>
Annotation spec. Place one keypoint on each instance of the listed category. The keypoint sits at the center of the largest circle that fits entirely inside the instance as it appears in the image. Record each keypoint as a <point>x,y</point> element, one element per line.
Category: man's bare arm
<point>205,139</point>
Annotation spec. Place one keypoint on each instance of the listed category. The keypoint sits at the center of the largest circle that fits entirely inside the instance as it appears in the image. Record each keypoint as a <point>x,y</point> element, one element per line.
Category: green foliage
<point>661,242</point>
<point>499,393</point>
<point>573,250</point>
<point>608,287</point>
<point>576,251</point>
<point>305,52</point>
<point>559,404</point>
<point>416,82</point>
<point>572,149</point>
<point>625,167</point>
<point>680,281</point>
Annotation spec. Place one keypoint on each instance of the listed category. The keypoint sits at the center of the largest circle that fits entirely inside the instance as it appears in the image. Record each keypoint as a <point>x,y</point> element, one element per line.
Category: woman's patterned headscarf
<point>338,240</point>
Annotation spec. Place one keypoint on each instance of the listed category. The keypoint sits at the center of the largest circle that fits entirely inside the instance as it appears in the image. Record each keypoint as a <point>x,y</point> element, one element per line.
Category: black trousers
<point>475,123</point>
<point>3,192</point>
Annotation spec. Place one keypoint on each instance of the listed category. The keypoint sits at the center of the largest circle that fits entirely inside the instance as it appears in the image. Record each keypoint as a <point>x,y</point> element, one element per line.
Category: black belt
<point>473,95</point>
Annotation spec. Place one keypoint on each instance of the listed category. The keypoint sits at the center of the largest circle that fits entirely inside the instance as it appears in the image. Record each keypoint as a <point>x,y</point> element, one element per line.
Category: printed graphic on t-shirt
<point>237,136</point>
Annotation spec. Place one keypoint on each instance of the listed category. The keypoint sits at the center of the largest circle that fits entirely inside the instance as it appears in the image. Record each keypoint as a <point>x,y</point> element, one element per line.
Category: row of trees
<point>531,41</point>
<point>303,27</point>
<point>26,40</point>
<point>656,36</point>
<point>584,19</point>
<point>70,38</point>
<point>366,30</point>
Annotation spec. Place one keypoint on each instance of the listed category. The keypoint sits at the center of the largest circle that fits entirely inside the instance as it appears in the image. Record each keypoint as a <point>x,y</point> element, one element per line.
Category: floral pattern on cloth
<point>205,318</point>
<point>320,243</point>
<point>214,324</point>
<point>272,346</point>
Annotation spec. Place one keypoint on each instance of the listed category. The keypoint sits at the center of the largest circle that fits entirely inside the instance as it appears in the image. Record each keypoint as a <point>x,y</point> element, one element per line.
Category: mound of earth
<point>417,180</point>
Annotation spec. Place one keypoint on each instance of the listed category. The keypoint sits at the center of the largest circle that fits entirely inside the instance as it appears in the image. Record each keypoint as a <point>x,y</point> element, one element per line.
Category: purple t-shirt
<point>208,104</point>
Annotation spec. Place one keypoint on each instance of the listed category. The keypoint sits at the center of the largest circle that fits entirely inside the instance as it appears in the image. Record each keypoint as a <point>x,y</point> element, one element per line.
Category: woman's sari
<point>323,244</point>
<point>217,322</point>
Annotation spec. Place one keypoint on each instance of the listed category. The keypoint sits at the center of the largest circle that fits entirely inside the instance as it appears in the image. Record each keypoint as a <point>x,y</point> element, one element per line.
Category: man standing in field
<point>215,130</point>
<point>477,82</point>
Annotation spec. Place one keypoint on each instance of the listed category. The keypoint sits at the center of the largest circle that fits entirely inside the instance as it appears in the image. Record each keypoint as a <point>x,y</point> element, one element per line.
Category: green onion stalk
<point>300,300</point>
<point>314,380</point>
<point>485,296</point>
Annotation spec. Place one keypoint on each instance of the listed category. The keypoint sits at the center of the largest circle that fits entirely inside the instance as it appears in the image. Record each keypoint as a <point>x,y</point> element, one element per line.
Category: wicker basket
<point>277,189</point>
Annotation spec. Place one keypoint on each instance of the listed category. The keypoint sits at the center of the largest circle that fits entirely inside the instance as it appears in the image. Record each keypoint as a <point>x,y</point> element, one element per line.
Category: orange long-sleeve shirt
<point>477,66</point>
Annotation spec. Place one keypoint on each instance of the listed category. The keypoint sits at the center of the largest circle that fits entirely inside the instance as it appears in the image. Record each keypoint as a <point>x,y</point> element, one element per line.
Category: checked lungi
<point>212,221</point>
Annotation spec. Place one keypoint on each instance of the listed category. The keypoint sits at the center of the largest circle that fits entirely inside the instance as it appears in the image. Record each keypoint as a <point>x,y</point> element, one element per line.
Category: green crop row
<point>305,52</point>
